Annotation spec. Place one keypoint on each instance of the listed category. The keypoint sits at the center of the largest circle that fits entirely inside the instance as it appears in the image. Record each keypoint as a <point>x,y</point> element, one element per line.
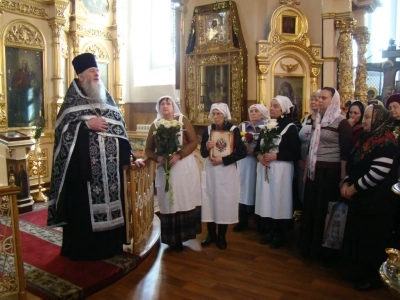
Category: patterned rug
<point>51,276</point>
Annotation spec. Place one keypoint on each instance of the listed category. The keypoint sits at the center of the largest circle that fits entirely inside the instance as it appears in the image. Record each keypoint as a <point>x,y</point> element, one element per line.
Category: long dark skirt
<point>180,226</point>
<point>369,229</point>
<point>318,192</point>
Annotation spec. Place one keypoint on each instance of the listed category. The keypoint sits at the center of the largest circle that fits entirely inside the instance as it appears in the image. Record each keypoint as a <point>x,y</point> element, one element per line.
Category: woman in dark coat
<point>371,171</point>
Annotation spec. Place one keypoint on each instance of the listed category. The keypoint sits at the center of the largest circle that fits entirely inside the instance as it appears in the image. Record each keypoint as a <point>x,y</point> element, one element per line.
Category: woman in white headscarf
<point>330,148</point>
<point>180,217</point>
<point>220,178</point>
<point>247,167</point>
<point>274,199</point>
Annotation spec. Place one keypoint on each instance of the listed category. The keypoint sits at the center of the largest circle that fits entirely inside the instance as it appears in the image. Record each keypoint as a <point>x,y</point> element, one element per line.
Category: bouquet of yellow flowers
<point>268,134</point>
<point>166,135</point>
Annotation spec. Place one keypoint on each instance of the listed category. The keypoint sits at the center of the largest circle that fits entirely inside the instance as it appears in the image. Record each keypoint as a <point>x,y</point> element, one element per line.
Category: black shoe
<point>268,239</point>
<point>221,242</point>
<point>179,247</point>
<point>368,285</point>
<point>277,242</point>
<point>239,227</point>
<point>208,240</point>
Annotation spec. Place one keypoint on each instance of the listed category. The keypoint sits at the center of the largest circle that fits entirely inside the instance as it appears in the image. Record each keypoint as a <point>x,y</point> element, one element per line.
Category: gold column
<point>346,87</point>
<point>361,35</point>
<point>3,115</point>
<point>117,76</point>
<point>75,43</point>
<point>56,28</point>
<point>314,73</point>
<point>262,82</point>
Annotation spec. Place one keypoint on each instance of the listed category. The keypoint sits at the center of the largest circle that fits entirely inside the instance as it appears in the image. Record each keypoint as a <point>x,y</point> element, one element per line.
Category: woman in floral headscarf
<point>247,167</point>
<point>180,216</point>
<point>371,171</point>
<point>274,198</point>
<point>330,147</point>
<point>220,178</point>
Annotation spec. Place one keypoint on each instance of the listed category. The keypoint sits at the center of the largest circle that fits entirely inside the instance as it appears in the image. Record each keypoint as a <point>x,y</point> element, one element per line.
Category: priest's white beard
<point>95,90</point>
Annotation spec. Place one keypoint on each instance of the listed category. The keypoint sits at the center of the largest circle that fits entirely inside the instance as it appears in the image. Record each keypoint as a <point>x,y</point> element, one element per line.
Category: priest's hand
<point>97,124</point>
<point>139,163</point>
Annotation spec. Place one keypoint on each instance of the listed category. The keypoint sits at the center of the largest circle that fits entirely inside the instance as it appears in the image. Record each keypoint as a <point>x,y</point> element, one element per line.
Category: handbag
<point>335,223</point>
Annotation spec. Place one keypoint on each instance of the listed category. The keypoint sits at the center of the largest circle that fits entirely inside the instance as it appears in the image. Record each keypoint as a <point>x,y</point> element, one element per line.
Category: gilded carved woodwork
<point>97,50</point>
<point>23,8</point>
<point>34,169</point>
<point>216,62</point>
<point>362,37</point>
<point>346,86</point>
<point>139,201</point>
<point>3,115</point>
<point>289,67</point>
<point>12,277</point>
<point>25,34</point>
<point>93,32</point>
<point>288,58</point>
<point>289,2</point>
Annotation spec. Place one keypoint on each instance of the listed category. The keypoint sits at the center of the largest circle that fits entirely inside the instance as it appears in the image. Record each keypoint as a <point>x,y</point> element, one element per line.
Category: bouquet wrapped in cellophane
<point>166,135</point>
<point>268,135</point>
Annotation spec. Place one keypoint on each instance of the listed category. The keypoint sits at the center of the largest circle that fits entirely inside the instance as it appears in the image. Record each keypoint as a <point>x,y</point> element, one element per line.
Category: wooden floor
<point>246,270</point>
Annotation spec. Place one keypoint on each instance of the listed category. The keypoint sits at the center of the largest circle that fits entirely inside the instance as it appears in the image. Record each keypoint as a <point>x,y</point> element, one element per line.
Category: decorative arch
<point>288,58</point>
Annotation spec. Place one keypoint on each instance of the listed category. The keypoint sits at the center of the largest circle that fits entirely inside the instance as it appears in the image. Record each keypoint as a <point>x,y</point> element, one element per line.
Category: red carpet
<point>51,276</point>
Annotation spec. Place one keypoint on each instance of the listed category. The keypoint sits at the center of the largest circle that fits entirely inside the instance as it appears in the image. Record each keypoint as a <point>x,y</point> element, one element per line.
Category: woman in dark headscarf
<point>371,171</point>
<point>355,116</point>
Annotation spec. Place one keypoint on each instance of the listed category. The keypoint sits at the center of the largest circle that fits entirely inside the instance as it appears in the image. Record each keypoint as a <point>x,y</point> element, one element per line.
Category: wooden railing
<point>12,280</point>
<point>139,201</point>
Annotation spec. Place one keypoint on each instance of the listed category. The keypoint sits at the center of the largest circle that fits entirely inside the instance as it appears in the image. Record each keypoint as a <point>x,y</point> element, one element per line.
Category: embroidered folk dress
<point>220,184</point>
<point>180,220</point>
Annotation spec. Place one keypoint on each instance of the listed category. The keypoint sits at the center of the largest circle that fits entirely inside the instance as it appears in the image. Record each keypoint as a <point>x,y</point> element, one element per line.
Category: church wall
<point>255,22</point>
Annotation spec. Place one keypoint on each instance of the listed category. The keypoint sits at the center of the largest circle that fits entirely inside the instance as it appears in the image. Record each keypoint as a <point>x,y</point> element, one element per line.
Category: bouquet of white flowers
<point>166,135</point>
<point>268,134</point>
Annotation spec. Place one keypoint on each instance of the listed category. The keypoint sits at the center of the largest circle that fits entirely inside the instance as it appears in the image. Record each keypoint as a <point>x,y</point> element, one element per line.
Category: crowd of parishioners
<point>331,157</point>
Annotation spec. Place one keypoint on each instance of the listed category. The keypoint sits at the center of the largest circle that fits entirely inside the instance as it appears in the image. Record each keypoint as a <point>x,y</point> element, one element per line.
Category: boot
<point>243,220</point>
<point>221,241</point>
<point>268,239</point>
<point>278,241</point>
<point>212,235</point>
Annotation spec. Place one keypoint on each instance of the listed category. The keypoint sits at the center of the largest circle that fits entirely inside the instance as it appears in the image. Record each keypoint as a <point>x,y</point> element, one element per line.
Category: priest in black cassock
<point>90,147</point>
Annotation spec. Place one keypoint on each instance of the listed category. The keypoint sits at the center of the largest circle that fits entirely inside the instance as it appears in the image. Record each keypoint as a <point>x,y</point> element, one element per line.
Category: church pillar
<point>56,29</point>
<point>262,83</point>
<point>361,35</point>
<point>3,114</point>
<point>346,87</point>
<point>182,12</point>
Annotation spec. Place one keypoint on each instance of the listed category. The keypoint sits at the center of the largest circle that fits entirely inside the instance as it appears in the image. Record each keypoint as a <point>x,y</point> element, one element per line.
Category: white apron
<point>305,138</point>
<point>185,183</point>
<point>220,192</point>
<point>274,198</point>
<point>247,169</point>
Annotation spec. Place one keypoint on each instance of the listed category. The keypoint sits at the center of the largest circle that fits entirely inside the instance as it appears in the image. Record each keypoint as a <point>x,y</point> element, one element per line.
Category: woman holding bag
<point>330,146</point>
<point>371,172</point>
<point>180,216</point>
